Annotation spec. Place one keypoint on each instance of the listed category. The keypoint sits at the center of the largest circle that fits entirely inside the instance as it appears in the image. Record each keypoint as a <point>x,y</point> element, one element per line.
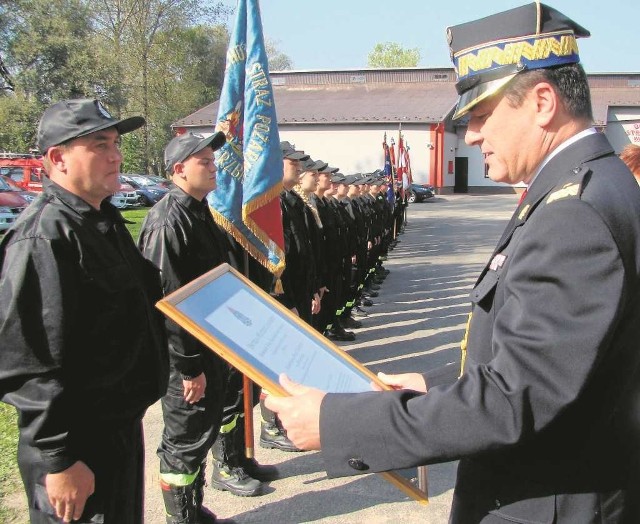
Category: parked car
<point>11,205</point>
<point>419,193</point>
<point>148,190</point>
<point>160,181</point>
<point>8,184</point>
<point>126,196</point>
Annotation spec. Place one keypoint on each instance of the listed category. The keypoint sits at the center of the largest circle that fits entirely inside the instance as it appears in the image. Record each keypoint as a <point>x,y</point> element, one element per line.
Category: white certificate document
<point>281,346</point>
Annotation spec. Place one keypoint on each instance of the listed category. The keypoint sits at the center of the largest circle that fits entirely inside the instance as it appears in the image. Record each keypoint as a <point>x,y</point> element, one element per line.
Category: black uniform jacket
<point>299,277</point>
<point>180,237</point>
<point>82,345</point>
<point>540,416</point>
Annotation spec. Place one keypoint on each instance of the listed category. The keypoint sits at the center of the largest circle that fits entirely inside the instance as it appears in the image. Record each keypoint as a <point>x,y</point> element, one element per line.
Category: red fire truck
<point>24,169</point>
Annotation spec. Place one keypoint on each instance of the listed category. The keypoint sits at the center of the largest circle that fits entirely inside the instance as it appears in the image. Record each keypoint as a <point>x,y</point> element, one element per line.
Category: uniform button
<point>358,464</point>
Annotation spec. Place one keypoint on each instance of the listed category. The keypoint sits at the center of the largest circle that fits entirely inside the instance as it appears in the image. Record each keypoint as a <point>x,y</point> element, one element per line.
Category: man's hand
<point>315,304</point>
<point>193,390</point>
<point>412,381</point>
<point>69,490</point>
<point>299,413</point>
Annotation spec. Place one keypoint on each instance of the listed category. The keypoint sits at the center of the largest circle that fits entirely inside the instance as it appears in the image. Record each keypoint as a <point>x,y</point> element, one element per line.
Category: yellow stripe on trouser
<point>179,479</point>
<point>227,428</point>
<point>463,345</point>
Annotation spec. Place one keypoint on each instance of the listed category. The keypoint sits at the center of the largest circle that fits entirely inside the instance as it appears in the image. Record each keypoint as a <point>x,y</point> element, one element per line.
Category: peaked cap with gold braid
<point>489,52</point>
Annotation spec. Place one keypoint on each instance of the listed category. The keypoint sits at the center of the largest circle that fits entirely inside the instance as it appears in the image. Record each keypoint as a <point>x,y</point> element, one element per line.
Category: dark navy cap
<point>489,52</point>
<point>183,146</point>
<point>313,165</point>
<point>361,179</point>
<point>290,152</point>
<point>329,169</point>
<point>78,117</point>
<point>338,178</point>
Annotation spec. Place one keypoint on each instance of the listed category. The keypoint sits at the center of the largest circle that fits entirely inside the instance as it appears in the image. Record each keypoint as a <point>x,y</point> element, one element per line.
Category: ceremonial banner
<point>246,202</point>
<point>388,171</point>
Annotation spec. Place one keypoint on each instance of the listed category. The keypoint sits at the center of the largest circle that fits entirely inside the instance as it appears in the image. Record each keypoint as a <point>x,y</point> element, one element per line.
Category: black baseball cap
<point>338,178</point>
<point>329,169</point>
<point>69,119</point>
<point>288,151</point>
<point>183,146</point>
<point>313,165</point>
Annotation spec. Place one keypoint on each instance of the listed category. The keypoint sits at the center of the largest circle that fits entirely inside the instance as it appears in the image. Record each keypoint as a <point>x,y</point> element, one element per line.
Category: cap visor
<point>216,141</point>
<point>296,155</point>
<point>477,94</point>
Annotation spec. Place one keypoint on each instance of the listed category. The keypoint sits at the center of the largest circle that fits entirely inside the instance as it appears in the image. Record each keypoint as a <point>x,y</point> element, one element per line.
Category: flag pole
<point>247,390</point>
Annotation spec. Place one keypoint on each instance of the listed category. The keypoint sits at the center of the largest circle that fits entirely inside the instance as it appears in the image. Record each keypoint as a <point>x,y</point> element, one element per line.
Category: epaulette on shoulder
<point>570,187</point>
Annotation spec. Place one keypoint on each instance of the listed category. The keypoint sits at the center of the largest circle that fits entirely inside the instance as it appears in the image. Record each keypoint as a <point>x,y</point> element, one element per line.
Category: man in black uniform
<point>180,237</point>
<point>544,417</point>
<point>84,350</point>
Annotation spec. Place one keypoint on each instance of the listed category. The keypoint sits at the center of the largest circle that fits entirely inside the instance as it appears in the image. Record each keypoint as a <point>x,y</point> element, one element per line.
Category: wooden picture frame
<point>261,338</point>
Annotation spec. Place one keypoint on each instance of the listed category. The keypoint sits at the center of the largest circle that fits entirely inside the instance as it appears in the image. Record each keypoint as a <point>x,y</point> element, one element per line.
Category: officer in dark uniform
<point>332,252</point>
<point>299,279</point>
<point>180,237</point>
<point>338,200</point>
<point>84,350</point>
<point>544,417</point>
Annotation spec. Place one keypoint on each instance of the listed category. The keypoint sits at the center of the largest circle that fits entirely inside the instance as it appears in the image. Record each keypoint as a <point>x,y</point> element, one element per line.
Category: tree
<point>390,54</point>
<point>278,61</point>
<point>162,59</point>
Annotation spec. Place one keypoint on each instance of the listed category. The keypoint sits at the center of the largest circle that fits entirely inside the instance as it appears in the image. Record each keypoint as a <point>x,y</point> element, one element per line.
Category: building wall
<point>358,148</point>
<point>623,127</point>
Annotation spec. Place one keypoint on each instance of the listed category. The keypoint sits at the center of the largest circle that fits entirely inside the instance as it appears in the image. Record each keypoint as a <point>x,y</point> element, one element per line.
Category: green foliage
<point>132,153</point>
<point>9,476</point>
<point>162,59</point>
<point>18,123</point>
<point>278,61</point>
<point>390,54</point>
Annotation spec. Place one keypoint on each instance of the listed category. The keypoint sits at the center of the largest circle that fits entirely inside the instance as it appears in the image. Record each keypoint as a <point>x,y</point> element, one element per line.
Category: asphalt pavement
<point>415,324</point>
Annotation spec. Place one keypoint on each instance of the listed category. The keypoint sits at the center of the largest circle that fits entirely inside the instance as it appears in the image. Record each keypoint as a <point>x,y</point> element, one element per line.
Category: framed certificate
<point>262,339</point>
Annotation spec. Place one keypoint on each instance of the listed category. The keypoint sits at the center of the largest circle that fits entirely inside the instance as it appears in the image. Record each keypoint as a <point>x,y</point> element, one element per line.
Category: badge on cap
<point>103,110</point>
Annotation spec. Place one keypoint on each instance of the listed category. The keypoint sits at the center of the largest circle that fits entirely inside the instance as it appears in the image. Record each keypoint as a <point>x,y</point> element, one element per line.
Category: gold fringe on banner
<point>254,205</point>
<point>224,222</point>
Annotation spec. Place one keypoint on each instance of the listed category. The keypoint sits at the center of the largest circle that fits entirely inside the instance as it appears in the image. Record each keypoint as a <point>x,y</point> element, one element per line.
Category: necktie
<point>523,195</point>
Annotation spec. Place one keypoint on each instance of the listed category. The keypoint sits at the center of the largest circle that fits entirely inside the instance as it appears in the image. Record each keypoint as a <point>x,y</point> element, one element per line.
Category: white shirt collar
<point>564,145</point>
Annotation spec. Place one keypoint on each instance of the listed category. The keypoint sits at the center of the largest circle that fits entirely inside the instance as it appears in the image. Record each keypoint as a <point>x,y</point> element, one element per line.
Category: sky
<point>339,34</point>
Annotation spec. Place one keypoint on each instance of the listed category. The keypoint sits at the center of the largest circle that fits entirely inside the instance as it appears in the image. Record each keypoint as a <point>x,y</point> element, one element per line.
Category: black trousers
<point>115,454</point>
<point>190,429</point>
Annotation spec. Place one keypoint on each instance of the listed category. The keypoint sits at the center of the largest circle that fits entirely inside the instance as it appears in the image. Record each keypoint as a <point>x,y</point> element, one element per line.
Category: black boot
<point>253,468</point>
<point>183,504</point>
<point>228,472</point>
<point>272,434</point>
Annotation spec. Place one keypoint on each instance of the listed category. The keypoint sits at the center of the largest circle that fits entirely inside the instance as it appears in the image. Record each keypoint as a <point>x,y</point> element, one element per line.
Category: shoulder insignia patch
<point>523,212</point>
<point>566,191</point>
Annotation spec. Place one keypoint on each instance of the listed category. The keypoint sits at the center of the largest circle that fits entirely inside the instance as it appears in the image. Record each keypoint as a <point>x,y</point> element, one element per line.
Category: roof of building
<point>408,95</point>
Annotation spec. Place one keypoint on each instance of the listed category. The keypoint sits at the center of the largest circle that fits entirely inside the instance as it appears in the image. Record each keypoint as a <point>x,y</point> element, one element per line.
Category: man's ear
<point>547,103</point>
<point>178,169</point>
<point>56,158</point>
